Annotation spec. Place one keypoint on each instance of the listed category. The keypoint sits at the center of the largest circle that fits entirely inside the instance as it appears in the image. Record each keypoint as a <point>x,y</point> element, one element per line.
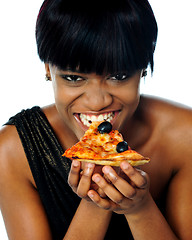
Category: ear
<point>48,73</point>
<point>47,69</point>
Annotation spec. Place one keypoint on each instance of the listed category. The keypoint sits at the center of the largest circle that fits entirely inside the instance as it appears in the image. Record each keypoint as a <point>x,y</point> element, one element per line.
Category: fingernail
<point>96,179</point>
<point>89,168</point>
<point>75,163</point>
<point>106,170</point>
<point>90,165</point>
<point>90,194</point>
<point>112,176</point>
<point>87,171</point>
<point>125,165</point>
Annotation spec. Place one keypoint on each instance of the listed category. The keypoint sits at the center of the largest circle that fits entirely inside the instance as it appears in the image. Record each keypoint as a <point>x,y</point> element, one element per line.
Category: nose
<point>97,97</point>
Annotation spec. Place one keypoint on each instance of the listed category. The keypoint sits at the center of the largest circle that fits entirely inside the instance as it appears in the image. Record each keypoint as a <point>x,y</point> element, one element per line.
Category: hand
<point>125,194</point>
<point>80,178</point>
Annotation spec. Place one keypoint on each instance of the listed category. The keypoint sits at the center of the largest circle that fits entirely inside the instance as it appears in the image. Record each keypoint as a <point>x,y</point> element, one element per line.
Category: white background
<point>22,83</point>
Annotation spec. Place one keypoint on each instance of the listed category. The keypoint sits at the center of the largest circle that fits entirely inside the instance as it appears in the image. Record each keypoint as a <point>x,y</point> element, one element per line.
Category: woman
<point>95,56</point>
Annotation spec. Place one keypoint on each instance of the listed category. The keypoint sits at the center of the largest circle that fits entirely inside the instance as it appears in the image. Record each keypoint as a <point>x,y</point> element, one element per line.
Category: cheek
<point>63,101</point>
<point>129,95</point>
<point>63,95</point>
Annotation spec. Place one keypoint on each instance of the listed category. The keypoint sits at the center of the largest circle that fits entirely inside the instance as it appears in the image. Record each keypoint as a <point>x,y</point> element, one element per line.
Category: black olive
<point>122,147</point>
<point>105,127</point>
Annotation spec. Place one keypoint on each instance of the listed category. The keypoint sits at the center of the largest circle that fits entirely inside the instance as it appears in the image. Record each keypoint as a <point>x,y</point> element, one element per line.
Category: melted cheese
<point>95,145</point>
<point>101,149</point>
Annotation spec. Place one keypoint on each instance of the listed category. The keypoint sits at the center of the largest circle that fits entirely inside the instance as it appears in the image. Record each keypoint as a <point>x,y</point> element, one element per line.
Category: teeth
<point>94,118</point>
<point>88,119</point>
<point>100,118</point>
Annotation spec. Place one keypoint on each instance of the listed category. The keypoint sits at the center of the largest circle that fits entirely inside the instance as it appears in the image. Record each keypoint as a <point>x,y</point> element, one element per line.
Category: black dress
<point>50,171</point>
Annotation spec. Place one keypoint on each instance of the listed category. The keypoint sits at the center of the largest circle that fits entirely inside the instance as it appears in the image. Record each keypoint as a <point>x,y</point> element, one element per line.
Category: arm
<point>178,211</point>
<point>89,222</point>
<point>21,207</point>
<point>88,215</point>
<point>134,201</point>
<point>179,207</point>
<point>149,223</point>
<point>25,217</point>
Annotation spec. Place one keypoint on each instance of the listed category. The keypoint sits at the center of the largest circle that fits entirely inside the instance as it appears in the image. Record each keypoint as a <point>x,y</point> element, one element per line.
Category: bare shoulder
<point>171,158</point>
<point>19,200</point>
<point>159,107</point>
<point>172,127</point>
<point>173,134</point>
<point>172,116</point>
<point>11,152</point>
<point>14,166</point>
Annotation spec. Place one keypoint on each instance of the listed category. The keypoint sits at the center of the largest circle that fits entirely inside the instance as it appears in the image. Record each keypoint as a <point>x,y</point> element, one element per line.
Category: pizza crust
<point>114,162</point>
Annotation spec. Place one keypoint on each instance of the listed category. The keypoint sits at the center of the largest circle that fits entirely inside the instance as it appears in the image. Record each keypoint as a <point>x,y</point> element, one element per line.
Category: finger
<point>85,182</point>
<point>146,177</point>
<point>111,191</point>
<point>74,175</point>
<point>101,193</point>
<point>95,187</point>
<point>101,202</point>
<point>124,187</point>
<point>137,176</point>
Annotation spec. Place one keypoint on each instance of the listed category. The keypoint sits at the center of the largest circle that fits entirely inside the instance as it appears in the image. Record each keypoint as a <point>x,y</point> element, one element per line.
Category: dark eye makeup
<point>119,76</point>
<point>75,78</point>
<point>72,77</point>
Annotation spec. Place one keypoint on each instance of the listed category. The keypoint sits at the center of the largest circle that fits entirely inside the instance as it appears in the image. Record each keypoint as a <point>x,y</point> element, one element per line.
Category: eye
<point>119,76</point>
<point>72,78</point>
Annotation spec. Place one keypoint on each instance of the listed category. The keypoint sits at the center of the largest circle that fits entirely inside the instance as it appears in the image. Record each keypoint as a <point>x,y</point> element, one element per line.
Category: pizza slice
<point>103,146</point>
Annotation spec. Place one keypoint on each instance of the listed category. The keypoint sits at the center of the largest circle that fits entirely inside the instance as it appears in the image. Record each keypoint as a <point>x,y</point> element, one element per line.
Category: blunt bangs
<point>118,38</point>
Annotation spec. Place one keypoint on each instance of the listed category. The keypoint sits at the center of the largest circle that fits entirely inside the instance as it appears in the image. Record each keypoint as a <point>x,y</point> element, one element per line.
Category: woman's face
<point>82,98</point>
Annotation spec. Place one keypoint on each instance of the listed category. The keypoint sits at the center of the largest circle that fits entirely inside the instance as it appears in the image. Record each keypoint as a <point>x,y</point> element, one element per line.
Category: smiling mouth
<point>87,119</point>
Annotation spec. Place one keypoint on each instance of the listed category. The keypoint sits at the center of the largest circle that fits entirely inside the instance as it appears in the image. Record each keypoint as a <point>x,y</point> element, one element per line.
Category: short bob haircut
<point>102,36</point>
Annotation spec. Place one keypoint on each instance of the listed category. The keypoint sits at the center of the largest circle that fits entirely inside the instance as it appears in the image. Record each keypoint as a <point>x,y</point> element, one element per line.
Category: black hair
<point>97,36</point>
